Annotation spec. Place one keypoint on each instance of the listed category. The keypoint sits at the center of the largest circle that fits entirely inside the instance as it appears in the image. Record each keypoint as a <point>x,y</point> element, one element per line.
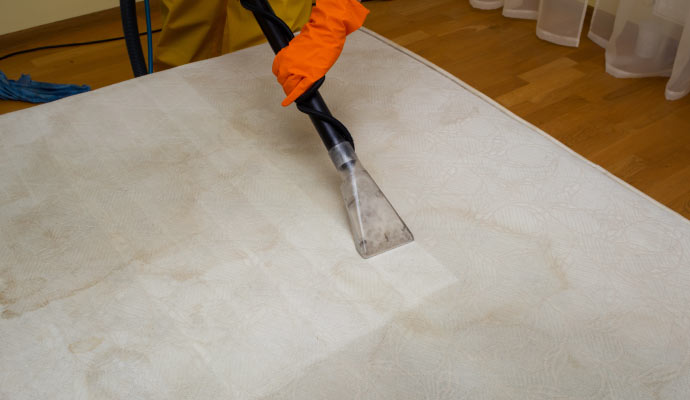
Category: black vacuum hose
<point>311,103</point>
<point>130,28</point>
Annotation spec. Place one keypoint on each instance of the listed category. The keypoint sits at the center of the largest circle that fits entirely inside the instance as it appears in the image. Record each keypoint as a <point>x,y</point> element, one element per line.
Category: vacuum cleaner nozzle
<point>376,226</point>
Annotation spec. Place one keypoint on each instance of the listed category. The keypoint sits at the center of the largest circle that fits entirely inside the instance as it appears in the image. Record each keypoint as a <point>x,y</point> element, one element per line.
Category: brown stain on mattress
<point>52,252</point>
<point>38,304</point>
<point>8,300</point>
<point>9,314</point>
<point>558,270</point>
<point>110,363</point>
<point>85,345</point>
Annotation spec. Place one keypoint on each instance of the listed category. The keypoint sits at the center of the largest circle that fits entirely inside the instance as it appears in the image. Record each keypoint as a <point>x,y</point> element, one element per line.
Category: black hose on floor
<point>130,28</point>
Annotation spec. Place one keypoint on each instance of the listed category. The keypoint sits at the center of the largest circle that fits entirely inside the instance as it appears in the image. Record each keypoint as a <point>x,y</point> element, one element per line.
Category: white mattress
<point>181,236</point>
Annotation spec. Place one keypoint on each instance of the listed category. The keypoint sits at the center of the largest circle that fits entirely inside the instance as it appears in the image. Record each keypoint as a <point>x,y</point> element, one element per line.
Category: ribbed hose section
<point>130,28</point>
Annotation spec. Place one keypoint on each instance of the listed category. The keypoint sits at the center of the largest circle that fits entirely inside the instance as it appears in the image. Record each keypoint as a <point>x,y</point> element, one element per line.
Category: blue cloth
<point>24,89</point>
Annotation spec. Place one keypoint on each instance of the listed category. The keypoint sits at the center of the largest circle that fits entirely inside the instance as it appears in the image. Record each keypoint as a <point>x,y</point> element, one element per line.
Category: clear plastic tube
<point>376,226</point>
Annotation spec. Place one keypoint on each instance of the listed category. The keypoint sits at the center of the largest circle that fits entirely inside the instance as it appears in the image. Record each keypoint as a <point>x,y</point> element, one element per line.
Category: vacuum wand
<point>375,224</point>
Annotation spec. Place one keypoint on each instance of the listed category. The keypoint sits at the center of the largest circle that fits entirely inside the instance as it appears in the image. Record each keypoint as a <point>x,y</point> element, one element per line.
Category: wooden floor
<point>95,65</point>
<point>624,125</point>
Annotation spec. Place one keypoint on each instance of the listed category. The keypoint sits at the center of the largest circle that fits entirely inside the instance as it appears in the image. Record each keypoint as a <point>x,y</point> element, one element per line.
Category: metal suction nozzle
<point>376,226</point>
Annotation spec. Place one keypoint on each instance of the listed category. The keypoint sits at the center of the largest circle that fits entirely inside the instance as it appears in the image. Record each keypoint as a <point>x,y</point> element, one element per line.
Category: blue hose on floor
<point>149,35</point>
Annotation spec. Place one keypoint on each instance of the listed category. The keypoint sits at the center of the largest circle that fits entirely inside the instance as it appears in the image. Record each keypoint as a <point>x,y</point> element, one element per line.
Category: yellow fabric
<point>198,29</point>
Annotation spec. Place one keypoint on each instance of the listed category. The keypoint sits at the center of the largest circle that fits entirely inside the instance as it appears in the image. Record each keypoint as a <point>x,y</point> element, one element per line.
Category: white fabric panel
<point>560,21</point>
<point>641,38</point>
<point>525,9</point>
<point>646,42</point>
<point>181,236</point>
<point>671,10</point>
<point>679,84</point>
<point>486,4</point>
<point>641,44</point>
<point>603,20</point>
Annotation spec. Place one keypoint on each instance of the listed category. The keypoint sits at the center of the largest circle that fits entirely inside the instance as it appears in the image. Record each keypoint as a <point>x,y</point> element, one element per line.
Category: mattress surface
<point>182,236</point>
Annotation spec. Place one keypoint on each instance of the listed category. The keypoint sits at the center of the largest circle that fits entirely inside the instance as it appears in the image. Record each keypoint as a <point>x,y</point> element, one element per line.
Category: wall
<point>16,15</point>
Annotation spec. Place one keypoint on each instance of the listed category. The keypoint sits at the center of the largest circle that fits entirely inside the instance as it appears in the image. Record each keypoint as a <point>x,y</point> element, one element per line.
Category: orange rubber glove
<point>314,51</point>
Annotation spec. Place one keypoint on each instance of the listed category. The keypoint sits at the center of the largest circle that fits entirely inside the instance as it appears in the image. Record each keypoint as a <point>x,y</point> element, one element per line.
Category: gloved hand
<point>314,51</point>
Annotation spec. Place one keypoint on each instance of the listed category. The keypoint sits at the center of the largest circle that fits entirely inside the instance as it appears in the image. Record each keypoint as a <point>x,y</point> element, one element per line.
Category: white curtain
<point>641,37</point>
